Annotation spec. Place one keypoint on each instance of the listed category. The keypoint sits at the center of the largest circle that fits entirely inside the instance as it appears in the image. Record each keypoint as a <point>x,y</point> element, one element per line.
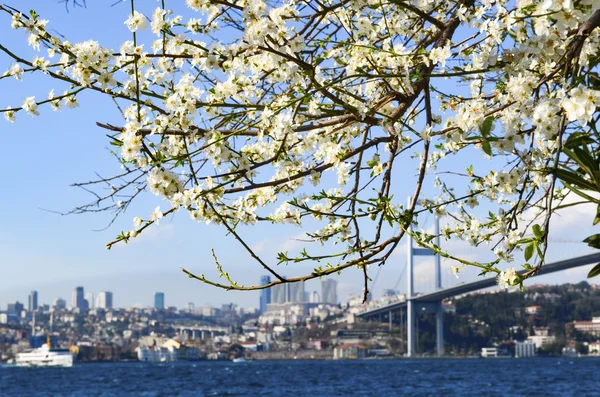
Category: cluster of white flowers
<point>581,104</point>
<point>508,277</point>
<point>164,183</point>
<point>258,128</point>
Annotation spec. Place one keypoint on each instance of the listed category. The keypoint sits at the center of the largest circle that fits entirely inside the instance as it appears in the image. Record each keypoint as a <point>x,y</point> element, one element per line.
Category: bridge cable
<point>400,278</point>
<point>372,288</point>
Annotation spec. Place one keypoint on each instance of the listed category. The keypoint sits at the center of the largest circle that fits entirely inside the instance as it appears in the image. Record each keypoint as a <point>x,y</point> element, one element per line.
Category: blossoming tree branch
<point>309,112</point>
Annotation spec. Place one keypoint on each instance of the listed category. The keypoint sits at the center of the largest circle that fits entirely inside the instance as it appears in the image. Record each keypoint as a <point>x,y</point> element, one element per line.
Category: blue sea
<point>418,377</point>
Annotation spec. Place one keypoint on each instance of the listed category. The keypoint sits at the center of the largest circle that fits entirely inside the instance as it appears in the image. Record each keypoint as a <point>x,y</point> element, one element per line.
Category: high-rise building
<point>77,299</point>
<point>89,299</point>
<point>314,297</point>
<point>59,303</point>
<point>329,291</point>
<point>33,301</point>
<point>104,300</point>
<point>280,293</point>
<point>288,293</point>
<point>265,294</point>
<point>16,307</point>
<point>159,300</point>
<point>296,294</point>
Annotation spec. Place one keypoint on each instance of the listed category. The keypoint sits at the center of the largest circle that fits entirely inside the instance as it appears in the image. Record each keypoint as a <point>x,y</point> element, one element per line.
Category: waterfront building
<point>540,340</point>
<point>265,294</point>
<point>33,301</point>
<point>159,300</point>
<point>588,327</point>
<point>525,349</point>
<point>594,347</point>
<point>329,291</point>
<point>349,351</point>
<point>169,350</point>
<point>493,352</point>
<point>77,299</point>
<point>104,300</point>
<point>156,354</point>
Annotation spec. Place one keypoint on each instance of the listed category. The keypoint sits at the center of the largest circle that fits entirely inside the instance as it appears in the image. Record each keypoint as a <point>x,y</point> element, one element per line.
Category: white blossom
<point>507,278</point>
<point>156,215</point>
<point>30,106</point>
<point>137,21</point>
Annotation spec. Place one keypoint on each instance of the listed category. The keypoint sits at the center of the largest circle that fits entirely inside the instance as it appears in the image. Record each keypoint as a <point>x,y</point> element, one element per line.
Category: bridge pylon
<point>411,333</point>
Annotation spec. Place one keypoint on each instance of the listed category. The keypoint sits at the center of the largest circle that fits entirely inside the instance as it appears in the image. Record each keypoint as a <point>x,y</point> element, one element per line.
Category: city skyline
<point>145,298</point>
<point>284,293</point>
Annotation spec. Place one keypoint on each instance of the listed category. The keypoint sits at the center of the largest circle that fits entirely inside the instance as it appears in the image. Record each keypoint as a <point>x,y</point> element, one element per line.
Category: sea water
<point>417,377</point>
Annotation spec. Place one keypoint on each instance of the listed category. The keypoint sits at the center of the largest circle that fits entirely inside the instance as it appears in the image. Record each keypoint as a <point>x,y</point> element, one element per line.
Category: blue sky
<point>53,254</point>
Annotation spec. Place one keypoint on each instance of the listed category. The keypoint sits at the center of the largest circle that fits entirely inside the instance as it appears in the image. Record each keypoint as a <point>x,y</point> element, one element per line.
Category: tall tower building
<point>33,301</point>
<point>16,307</point>
<point>77,299</point>
<point>59,303</point>
<point>314,297</point>
<point>329,291</point>
<point>280,293</point>
<point>285,293</point>
<point>89,300</point>
<point>159,300</point>
<point>296,293</point>
<point>104,300</point>
<point>265,294</point>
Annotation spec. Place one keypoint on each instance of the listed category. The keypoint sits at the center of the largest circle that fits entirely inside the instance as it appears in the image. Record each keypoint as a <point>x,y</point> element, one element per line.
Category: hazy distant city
<point>289,322</point>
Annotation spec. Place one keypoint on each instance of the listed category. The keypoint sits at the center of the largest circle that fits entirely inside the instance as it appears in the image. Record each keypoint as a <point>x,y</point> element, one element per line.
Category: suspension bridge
<point>431,302</point>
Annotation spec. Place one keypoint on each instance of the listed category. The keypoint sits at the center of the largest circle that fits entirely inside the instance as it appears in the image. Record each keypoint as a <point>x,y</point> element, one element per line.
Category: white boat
<point>239,360</point>
<point>45,356</point>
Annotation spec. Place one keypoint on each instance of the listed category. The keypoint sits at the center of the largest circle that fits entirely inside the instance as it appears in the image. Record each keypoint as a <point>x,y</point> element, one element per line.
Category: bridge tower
<point>411,304</point>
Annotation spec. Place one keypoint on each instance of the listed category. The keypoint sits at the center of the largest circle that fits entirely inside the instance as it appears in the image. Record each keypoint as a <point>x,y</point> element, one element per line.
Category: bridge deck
<point>482,284</point>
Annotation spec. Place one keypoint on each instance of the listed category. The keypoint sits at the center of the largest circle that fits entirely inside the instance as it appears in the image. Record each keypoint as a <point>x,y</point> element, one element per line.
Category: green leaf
<point>581,194</point>
<point>597,218</point>
<point>574,179</point>
<point>538,232</point>
<point>529,250</point>
<point>583,159</point>
<point>595,271</point>
<point>540,252</point>
<point>526,240</point>
<point>487,148</point>
<point>578,139</point>
<point>593,241</point>
<point>486,127</point>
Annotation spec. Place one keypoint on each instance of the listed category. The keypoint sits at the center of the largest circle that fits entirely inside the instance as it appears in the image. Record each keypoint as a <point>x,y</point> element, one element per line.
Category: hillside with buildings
<point>293,323</point>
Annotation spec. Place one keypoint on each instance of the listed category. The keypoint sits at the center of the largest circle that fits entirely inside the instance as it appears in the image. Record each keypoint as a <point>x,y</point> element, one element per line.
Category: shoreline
<point>78,363</point>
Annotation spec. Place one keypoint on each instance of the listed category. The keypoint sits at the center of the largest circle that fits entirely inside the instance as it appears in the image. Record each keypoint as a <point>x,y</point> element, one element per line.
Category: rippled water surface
<point>420,377</point>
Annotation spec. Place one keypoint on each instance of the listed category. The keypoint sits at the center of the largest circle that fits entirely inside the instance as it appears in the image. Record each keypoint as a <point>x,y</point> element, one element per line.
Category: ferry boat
<point>45,356</point>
